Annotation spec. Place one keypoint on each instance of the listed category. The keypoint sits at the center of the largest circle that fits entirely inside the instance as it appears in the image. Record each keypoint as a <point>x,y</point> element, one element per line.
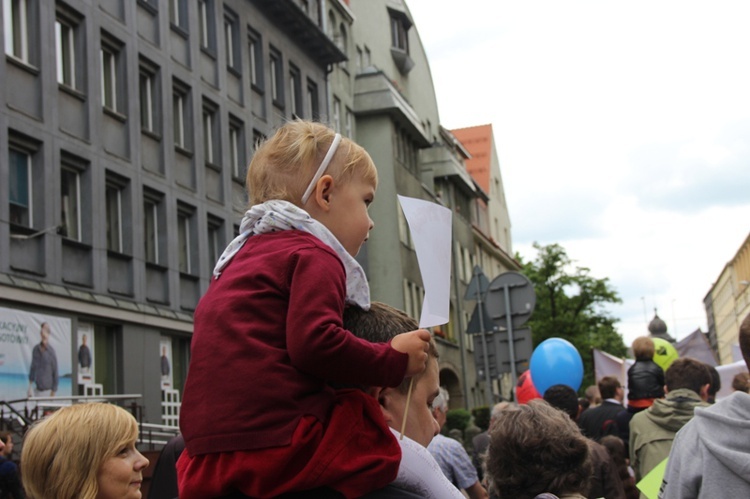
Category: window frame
<point>28,207</point>
<point>255,60</point>
<point>113,92</point>
<point>16,29</point>
<point>153,213</point>
<point>232,41</point>
<point>207,26</point>
<point>211,134</point>
<point>295,91</point>
<point>313,100</point>
<point>149,71</point>
<point>181,116</point>
<point>67,170</point>
<point>186,239</point>
<point>237,152</point>
<point>276,69</point>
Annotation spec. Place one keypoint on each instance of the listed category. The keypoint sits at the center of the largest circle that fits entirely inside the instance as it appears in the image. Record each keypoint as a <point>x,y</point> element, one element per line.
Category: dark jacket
<point>600,421</point>
<point>645,380</point>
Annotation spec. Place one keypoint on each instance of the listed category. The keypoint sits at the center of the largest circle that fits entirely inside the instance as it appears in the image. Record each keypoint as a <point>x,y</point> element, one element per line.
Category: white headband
<point>322,167</point>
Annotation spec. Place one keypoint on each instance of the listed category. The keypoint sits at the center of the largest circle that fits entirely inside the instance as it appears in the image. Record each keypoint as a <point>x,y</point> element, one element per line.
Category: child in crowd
<point>645,377</point>
<point>259,416</point>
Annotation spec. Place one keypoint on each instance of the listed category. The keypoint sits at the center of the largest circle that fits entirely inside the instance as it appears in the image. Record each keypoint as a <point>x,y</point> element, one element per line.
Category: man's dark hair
<point>379,325</point>
<point>608,386</point>
<point>687,373</point>
<point>564,398</point>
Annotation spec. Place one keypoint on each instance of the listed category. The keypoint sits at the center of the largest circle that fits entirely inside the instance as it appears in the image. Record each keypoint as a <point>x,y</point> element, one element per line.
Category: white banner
<point>34,355</point>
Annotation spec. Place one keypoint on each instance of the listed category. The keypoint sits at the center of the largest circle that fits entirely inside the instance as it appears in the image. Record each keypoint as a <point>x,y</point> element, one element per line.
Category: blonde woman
<point>84,451</point>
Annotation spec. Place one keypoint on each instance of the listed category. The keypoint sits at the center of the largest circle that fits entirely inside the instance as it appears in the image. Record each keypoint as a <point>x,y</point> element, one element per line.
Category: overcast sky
<point>623,132</point>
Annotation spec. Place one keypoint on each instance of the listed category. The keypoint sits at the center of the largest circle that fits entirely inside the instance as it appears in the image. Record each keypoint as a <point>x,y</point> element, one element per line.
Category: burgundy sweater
<point>267,338</point>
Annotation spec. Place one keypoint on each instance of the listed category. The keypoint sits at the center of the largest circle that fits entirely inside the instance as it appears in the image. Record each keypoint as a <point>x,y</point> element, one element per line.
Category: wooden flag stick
<point>406,409</point>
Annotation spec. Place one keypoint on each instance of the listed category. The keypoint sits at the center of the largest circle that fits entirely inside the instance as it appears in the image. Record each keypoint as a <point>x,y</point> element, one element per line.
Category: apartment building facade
<point>127,127</point>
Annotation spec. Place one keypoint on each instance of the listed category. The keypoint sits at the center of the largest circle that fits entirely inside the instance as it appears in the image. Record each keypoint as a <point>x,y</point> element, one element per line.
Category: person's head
<point>715,385</point>
<point>744,338</point>
<point>498,408</point>
<point>616,448</point>
<point>643,348</point>
<point>535,448</point>
<point>741,382</point>
<point>592,395</point>
<point>83,339</point>
<point>379,325</point>
<point>688,373</point>
<point>564,398</point>
<point>44,332</point>
<point>610,388</point>
<point>6,443</point>
<point>286,167</point>
<point>440,407</point>
<point>163,350</point>
<point>85,451</point>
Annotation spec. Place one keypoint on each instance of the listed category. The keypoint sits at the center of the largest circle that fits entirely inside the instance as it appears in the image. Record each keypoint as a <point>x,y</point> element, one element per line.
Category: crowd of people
<point>326,394</point>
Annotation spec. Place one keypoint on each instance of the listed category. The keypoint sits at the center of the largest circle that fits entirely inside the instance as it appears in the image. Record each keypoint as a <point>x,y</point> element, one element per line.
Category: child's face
<point>348,218</point>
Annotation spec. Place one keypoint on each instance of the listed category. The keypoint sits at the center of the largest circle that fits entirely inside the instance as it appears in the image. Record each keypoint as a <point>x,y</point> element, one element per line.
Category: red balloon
<point>525,389</point>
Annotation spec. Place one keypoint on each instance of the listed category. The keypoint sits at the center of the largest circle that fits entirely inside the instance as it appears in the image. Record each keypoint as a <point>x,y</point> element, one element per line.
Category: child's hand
<point>416,344</point>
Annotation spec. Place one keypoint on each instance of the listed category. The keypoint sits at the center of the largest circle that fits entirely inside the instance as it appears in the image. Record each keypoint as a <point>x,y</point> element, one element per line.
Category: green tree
<point>570,304</point>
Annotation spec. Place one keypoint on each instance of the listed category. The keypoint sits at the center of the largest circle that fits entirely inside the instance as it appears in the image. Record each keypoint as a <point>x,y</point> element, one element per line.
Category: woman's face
<point>121,475</point>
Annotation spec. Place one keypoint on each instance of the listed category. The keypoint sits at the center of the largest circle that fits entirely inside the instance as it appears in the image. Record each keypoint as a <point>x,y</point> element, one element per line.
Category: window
<point>343,42</point>
<point>69,48</point>
<point>112,75</point>
<point>360,60</point>
<point>70,191</point>
<point>295,91</point>
<point>215,240</point>
<point>337,114</point>
<point>368,57</point>
<point>113,197</point>
<point>152,227</point>
<point>256,59</point>
<point>16,28</point>
<point>21,207</point>
<point>277,80</point>
<point>313,111</point>
<point>232,39</point>
<point>149,89</point>
<point>181,115</point>
<point>107,357</point>
<point>178,13</point>
<point>349,124</point>
<point>207,25</point>
<point>400,25</point>
<point>186,238</point>
<point>236,147</point>
<point>210,134</point>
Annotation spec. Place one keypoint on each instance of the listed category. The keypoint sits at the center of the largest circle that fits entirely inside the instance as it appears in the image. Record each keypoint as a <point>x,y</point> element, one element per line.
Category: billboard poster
<point>165,352</point>
<point>85,353</point>
<point>35,355</point>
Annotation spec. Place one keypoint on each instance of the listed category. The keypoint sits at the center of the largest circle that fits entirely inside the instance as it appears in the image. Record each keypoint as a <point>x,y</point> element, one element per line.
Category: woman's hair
<point>63,452</point>
<point>283,165</point>
<point>643,348</point>
<point>616,449</point>
<point>537,448</point>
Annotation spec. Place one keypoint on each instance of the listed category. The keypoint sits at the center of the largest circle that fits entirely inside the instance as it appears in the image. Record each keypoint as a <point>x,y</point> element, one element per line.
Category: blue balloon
<point>556,361</point>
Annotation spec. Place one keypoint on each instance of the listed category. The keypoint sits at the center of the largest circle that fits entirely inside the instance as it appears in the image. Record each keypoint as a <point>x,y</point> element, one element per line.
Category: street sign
<point>478,285</point>
<point>475,325</point>
<point>522,299</point>
<point>498,352</point>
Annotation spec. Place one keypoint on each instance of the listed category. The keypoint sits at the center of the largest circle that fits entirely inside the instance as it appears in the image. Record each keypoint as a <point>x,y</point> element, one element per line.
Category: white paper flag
<point>430,226</point>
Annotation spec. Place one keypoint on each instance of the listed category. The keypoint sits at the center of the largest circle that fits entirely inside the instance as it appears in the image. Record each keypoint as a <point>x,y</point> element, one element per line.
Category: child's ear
<point>323,189</point>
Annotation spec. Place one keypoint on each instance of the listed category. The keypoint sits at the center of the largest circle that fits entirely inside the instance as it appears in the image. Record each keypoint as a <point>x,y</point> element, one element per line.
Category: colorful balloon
<point>664,353</point>
<point>556,361</point>
<point>525,389</point>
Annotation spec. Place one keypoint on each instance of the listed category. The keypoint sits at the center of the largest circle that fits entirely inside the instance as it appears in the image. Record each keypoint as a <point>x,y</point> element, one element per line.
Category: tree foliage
<point>570,305</point>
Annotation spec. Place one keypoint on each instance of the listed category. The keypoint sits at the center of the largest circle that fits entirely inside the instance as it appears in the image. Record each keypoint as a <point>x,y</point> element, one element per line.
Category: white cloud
<point>621,130</point>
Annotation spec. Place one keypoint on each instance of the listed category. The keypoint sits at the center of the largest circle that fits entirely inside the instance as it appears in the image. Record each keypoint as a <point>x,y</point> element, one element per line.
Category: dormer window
<point>400,25</point>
